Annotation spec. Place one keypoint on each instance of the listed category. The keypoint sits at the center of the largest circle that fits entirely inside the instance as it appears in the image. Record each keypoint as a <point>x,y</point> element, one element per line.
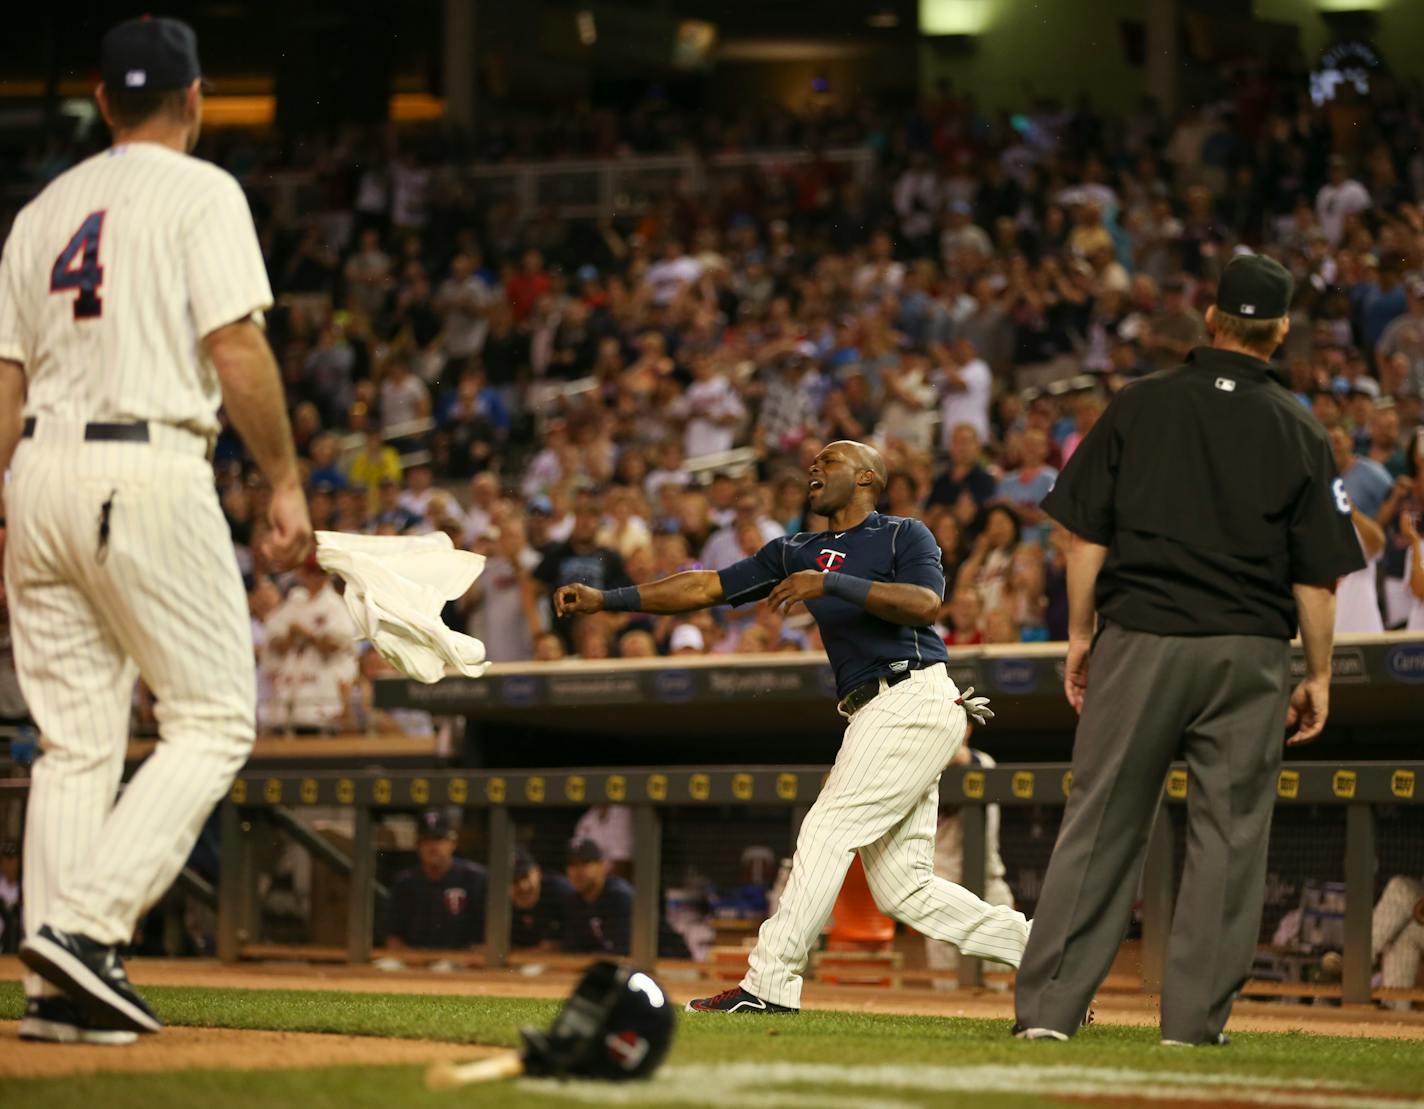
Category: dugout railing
<point>256,797</point>
<point>263,800</point>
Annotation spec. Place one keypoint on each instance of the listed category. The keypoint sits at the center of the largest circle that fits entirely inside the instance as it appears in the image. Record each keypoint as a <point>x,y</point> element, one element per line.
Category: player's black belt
<point>866,692</point>
<point>135,432</point>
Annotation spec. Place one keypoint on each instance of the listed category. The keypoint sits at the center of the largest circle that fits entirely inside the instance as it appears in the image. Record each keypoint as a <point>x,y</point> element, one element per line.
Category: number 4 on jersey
<point>77,267</point>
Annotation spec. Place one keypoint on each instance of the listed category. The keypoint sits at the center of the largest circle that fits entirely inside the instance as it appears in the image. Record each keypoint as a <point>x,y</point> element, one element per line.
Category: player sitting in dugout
<point>439,904</point>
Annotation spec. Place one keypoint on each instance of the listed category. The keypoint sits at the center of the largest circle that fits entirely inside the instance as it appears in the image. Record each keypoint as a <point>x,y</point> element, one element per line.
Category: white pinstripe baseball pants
<point>882,799</point>
<point>1397,939</point>
<point>162,597</point>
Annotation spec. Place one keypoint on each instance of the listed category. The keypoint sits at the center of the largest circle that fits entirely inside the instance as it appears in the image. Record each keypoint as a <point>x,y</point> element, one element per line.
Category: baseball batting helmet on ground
<point>618,1024</point>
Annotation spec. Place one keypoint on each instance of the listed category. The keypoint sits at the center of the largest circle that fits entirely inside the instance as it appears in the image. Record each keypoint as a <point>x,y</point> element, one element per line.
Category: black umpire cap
<point>1255,287</point>
<point>149,55</point>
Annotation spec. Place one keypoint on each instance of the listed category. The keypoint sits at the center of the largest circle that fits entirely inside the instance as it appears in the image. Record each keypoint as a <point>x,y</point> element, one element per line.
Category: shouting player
<point>874,585</point>
<point>131,294</point>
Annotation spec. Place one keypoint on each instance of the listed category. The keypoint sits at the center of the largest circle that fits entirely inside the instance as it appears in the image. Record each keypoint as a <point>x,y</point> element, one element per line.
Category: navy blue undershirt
<point>861,647</point>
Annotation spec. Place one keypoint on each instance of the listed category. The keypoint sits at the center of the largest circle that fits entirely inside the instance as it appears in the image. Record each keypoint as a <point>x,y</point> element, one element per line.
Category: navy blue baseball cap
<point>434,824</point>
<point>149,54</point>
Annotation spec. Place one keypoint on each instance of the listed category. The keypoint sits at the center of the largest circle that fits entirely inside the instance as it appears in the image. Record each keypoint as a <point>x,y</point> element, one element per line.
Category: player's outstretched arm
<point>685,592</point>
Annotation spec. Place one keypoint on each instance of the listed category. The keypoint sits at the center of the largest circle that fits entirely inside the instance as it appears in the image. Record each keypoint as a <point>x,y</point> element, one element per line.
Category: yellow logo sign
<point>1343,783</point>
<point>345,791</point>
<point>239,792</point>
<point>700,787</point>
<point>1288,785</point>
<point>381,791</point>
<point>308,791</point>
<point>534,790</point>
<point>742,787</point>
<point>457,791</point>
<point>494,791</point>
<point>974,784</point>
<point>786,787</point>
<point>1401,783</point>
<point>574,787</point>
<point>657,787</point>
<point>420,791</point>
<point>1177,784</point>
<point>272,791</point>
<point>1022,784</point>
<point>615,788</point>
<point>1067,783</point>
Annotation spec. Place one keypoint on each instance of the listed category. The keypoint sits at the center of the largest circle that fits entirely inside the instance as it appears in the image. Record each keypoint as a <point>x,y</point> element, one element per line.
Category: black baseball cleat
<point>57,1020</point>
<point>735,1000</point>
<point>93,975</point>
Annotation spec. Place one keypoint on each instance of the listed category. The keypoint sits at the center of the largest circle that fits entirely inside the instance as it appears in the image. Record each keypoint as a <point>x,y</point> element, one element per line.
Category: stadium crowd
<point>614,401</point>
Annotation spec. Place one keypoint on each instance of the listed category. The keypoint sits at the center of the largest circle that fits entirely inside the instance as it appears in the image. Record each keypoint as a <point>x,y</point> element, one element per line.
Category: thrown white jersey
<point>113,275</point>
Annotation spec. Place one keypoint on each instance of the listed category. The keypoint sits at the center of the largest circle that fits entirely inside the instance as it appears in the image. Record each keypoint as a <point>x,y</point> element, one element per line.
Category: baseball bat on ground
<point>450,1076</point>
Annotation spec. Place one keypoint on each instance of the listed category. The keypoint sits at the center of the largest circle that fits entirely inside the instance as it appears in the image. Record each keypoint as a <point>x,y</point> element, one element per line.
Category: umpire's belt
<point>135,431</point>
<point>866,692</point>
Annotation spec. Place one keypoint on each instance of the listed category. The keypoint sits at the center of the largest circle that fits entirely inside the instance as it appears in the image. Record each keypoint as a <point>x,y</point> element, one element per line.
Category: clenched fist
<point>577,600</point>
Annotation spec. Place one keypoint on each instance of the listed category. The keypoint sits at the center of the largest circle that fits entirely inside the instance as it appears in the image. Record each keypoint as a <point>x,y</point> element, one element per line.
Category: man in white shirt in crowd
<point>368,274</point>
<point>311,642</point>
<point>672,273</point>
<point>501,608</point>
<point>463,301</point>
<point>965,383</point>
<point>712,408</point>
<point>404,397</point>
<point>907,411</point>
<point>611,827</point>
<point>1338,199</point>
<point>962,235</point>
<point>1357,607</point>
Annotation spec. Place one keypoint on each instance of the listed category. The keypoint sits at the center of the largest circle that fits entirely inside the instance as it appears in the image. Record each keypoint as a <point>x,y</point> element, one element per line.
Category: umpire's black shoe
<point>57,1020</point>
<point>735,1000</point>
<point>92,974</point>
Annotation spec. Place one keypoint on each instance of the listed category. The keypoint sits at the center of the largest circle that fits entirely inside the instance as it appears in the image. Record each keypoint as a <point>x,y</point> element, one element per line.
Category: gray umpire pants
<point>1219,702</point>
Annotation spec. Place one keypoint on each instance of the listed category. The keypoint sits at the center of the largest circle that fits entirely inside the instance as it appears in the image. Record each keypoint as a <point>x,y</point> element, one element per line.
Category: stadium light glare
<point>956,17</point>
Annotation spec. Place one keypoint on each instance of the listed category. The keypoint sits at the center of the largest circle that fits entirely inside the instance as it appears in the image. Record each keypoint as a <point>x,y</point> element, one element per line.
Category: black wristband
<point>622,600</point>
<point>848,588</point>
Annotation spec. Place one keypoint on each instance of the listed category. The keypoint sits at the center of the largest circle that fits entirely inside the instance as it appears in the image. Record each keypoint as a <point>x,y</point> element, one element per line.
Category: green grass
<point>711,1054</point>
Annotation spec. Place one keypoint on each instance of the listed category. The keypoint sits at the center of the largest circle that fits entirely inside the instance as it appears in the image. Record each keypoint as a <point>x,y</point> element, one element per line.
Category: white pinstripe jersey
<point>113,275</point>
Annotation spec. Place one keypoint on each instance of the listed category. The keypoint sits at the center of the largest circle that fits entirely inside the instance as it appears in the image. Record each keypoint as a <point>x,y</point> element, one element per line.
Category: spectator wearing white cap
<point>686,639</point>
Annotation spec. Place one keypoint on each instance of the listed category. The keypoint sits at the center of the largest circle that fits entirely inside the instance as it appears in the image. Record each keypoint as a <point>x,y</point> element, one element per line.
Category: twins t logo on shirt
<point>455,900</point>
<point>828,559</point>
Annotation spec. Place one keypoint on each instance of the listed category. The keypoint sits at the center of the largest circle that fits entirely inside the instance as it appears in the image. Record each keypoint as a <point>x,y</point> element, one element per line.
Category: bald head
<point>865,457</point>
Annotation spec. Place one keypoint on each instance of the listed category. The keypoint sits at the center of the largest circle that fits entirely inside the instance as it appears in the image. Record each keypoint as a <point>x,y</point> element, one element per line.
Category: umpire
<point>1208,522</point>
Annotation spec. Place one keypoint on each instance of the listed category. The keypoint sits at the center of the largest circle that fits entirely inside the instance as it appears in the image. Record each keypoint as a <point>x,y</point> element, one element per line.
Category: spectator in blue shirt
<point>1023,489</point>
<point>1366,481</point>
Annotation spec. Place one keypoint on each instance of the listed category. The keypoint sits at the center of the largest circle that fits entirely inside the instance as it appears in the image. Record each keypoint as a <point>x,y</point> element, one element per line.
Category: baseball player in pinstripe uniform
<point>131,293</point>
<point>874,585</point>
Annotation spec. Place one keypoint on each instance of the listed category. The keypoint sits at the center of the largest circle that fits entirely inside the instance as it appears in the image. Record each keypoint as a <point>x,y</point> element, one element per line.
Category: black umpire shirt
<point>448,914</point>
<point>1214,491</point>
